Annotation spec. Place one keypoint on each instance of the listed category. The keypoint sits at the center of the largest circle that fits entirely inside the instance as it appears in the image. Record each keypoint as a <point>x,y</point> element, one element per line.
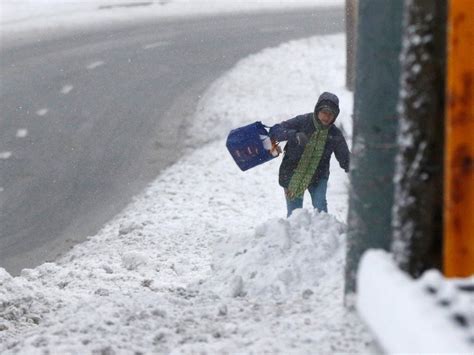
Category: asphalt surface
<point>105,112</point>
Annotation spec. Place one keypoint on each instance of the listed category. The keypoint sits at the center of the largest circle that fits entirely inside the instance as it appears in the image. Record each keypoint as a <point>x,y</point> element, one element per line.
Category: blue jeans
<point>318,198</point>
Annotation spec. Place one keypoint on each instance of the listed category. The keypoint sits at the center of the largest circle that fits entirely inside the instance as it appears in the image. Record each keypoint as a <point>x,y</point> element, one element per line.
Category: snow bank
<point>148,282</point>
<point>414,316</point>
<point>282,257</point>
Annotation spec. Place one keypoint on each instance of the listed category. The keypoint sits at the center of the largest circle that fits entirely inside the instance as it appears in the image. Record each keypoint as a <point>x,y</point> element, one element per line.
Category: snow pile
<point>282,257</point>
<point>428,315</point>
<point>19,306</point>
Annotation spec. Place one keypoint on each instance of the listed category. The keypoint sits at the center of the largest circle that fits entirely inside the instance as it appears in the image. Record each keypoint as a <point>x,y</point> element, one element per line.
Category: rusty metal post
<point>459,149</point>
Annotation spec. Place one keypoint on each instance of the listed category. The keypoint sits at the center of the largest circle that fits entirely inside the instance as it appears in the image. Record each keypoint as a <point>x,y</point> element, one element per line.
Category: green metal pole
<point>375,128</point>
<point>351,31</point>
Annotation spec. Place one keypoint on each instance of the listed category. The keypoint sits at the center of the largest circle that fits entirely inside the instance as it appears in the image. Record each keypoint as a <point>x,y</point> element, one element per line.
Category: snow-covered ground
<point>203,260</point>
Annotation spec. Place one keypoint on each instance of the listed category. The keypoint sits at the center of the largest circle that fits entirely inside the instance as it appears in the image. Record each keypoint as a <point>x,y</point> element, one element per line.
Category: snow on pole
<point>418,201</point>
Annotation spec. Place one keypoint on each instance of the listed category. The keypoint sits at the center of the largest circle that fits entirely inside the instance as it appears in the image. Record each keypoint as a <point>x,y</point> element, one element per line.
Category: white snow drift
<point>424,316</point>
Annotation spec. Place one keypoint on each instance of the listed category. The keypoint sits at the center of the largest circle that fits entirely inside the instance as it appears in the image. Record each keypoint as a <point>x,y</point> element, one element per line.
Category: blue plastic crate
<point>246,147</point>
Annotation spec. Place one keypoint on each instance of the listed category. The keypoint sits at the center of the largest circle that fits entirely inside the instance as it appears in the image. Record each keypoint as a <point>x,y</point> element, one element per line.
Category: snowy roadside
<point>25,17</point>
<point>202,260</point>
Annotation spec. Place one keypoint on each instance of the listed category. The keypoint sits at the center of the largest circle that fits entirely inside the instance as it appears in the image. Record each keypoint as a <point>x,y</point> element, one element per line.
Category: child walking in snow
<point>311,140</point>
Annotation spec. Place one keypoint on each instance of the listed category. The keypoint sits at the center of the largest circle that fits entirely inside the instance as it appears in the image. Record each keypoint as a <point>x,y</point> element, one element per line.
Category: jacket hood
<point>327,100</point>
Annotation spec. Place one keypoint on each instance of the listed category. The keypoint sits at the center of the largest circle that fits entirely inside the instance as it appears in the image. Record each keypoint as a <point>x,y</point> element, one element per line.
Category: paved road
<point>88,119</point>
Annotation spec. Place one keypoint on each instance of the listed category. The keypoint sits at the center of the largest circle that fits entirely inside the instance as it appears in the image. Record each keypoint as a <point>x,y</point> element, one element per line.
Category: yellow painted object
<point>459,149</point>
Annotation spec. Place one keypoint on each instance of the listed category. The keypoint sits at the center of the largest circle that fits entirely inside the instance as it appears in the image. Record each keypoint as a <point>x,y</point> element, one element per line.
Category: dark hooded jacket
<point>287,130</point>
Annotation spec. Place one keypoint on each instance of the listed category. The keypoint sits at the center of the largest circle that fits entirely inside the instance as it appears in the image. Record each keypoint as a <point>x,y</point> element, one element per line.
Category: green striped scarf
<point>309,161</point>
